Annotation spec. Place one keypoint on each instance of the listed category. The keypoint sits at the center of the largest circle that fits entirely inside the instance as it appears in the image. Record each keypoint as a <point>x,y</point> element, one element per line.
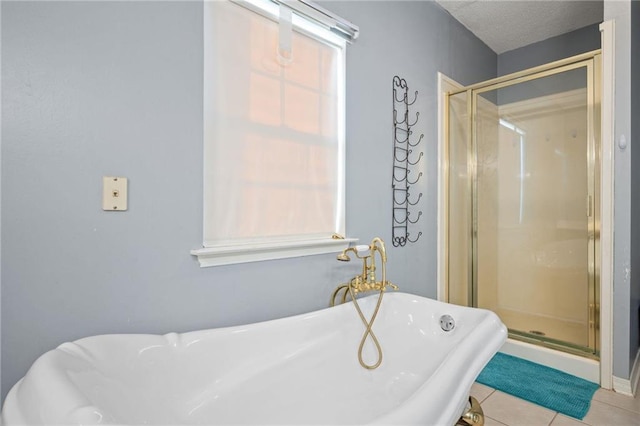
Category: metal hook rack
<point>405,159</point>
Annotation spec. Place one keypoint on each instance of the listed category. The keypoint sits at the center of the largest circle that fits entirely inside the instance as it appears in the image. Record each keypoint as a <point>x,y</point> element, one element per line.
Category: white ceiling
<point>507,25</point>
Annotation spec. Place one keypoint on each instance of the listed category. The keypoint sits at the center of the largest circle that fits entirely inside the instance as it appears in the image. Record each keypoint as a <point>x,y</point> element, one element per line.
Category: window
<point>273,134</point>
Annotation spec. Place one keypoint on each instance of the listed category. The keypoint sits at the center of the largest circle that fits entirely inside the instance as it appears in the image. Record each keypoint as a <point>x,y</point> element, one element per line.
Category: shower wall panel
<point>459,238</point>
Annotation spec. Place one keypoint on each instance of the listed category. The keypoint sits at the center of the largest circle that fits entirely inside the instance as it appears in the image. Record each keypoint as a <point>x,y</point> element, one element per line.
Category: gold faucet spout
<point>378,244</point>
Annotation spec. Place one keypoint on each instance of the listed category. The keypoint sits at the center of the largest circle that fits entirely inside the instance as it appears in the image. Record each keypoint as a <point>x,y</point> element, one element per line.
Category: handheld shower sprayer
<point>344,257</point>
<point>357,250</point>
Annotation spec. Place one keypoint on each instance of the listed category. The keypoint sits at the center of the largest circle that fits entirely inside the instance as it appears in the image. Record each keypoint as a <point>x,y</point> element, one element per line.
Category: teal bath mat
<point>541,385</point>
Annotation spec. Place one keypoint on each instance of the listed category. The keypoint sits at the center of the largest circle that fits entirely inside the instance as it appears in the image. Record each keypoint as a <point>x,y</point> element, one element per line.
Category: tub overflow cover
<point>447,323</point>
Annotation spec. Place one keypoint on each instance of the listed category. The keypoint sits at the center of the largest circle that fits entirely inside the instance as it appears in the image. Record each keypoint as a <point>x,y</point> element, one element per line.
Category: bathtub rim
<point>461,392</point>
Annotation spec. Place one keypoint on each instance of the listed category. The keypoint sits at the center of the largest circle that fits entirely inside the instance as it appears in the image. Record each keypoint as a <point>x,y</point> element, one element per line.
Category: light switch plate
<point>114,193</point>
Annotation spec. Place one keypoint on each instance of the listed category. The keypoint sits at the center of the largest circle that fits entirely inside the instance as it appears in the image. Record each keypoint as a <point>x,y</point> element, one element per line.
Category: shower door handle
<point>589,206</point>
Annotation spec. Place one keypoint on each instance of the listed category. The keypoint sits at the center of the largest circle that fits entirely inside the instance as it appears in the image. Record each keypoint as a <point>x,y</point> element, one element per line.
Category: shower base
<point>575,333</point>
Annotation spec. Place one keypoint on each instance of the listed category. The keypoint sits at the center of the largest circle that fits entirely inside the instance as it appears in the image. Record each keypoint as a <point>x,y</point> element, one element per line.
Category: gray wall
<point>555,48</point>
<point>634,308</point>
<point>563,46</point>
<point>114,88</point>
<point>623,349</point>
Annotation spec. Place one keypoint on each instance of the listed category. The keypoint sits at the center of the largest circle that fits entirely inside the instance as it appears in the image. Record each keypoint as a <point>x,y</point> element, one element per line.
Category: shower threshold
<point>578,365</point>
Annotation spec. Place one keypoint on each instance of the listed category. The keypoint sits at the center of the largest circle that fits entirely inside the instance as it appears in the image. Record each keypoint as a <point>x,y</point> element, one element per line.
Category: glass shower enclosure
<point>523,156</point>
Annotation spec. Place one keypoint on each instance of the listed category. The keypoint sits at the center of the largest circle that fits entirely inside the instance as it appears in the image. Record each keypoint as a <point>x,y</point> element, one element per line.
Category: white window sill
<point>242,253</point>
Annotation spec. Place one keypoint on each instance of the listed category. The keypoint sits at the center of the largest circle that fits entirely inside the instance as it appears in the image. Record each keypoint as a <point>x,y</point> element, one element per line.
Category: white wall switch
<point>114,193</point>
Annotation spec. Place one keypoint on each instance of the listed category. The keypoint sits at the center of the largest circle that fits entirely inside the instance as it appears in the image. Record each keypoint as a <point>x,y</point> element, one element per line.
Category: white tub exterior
<point>297,370</point>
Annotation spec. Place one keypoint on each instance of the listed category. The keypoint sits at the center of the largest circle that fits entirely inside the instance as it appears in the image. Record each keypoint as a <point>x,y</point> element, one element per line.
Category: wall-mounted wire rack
<point>406,158</point>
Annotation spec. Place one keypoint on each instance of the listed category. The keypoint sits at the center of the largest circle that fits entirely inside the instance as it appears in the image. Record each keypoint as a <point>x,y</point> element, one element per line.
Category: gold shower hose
<point>369,324</point>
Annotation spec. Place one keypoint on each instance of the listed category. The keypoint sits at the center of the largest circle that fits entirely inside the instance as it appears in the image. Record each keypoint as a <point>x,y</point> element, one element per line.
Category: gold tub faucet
<point>366,281</point>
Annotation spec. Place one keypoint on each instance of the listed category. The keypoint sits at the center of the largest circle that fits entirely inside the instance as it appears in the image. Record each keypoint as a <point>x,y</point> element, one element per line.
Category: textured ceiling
<point>507,25</point>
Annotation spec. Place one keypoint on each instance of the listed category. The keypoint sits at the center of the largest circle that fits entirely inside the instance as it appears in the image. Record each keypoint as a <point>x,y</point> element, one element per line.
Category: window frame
<point>262,249</point>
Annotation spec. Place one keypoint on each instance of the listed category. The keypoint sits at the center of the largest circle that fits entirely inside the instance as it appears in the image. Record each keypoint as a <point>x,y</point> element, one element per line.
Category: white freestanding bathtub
<point>297,370</point>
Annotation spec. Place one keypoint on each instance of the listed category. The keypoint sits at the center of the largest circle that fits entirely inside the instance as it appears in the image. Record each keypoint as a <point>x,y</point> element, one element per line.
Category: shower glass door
<point>530,170</point>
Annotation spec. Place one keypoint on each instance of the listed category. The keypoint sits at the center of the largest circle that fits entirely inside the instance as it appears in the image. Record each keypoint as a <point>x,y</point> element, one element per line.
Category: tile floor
<point>607,409</point>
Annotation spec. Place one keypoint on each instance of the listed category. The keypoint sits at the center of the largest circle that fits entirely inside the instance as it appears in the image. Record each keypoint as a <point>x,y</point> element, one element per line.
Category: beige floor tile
<point>514,411</point>
<point>488,421</point>
<point>601,414</point>
<point>562,420</point>
<point>618,400</point>
<point>480,391</point>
